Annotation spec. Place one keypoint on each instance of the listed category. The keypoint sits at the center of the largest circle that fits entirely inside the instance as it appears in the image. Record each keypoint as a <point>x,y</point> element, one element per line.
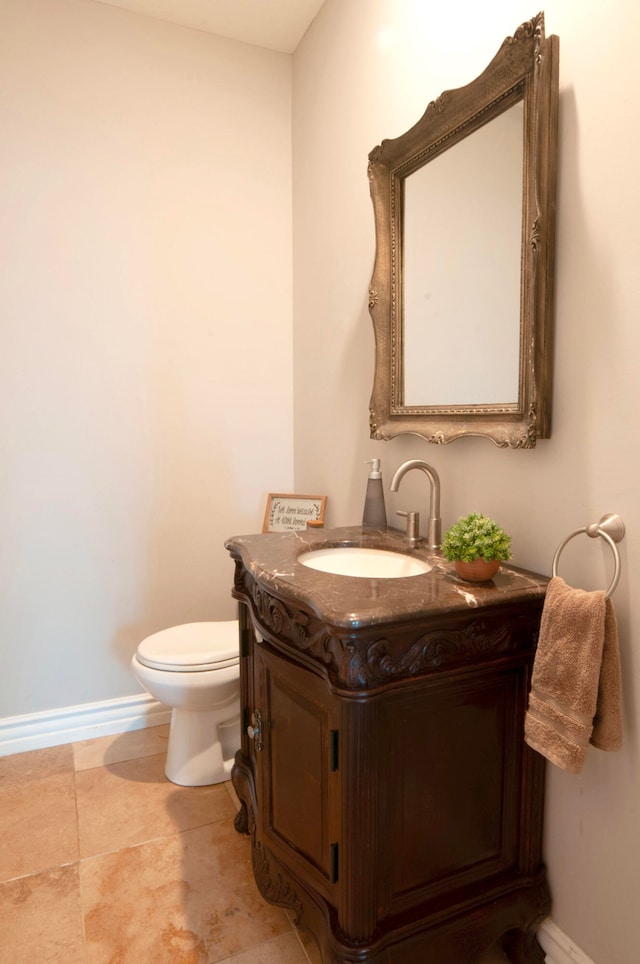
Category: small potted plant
<point>476,545</point>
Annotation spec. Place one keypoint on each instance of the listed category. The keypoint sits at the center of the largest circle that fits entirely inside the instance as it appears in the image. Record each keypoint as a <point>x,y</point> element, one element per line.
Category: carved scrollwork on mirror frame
<point>439,302</point>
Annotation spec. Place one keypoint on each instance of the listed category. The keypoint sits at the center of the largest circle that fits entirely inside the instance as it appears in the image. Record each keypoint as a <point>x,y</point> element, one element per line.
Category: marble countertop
<point>348,601</point>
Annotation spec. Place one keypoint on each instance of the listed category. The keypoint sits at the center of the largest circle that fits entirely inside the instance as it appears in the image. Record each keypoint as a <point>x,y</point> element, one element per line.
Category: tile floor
<point>103,861</point>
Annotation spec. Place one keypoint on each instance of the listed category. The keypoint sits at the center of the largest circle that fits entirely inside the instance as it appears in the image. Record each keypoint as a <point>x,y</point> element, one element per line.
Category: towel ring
<point>611,529</point>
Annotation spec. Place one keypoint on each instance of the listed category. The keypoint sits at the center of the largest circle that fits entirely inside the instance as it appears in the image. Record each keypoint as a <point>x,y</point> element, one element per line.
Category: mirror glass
<point>448,205</point>
<point>461,294</point>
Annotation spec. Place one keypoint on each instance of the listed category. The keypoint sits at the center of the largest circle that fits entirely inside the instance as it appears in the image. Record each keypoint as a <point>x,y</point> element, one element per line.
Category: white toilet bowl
<point>195,669</point>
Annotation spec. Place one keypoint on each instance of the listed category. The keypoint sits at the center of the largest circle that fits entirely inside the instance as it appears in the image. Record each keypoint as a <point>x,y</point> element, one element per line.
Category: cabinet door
<point>298,768</point>
<point>455,750</point>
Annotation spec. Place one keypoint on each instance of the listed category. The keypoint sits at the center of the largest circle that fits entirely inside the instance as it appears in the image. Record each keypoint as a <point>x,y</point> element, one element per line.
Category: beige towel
<point>575,693</point>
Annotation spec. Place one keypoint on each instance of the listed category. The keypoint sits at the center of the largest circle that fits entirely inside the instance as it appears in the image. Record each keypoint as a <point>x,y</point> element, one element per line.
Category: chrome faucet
<point>434,525</point>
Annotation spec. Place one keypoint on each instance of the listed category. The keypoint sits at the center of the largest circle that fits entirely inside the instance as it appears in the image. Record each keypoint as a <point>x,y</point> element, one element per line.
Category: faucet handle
<point>413,524</point>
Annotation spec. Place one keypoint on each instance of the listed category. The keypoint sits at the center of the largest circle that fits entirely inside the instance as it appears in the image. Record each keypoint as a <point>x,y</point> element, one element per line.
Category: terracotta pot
<point>480,570</point>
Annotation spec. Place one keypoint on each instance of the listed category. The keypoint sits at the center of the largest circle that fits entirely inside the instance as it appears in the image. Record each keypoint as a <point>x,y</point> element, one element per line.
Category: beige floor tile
<point>104,750</point>
<point>189,898</point>
<point>131,802</point>
<point>22,767</point>
<point>234,796</point>
<point>41,920</point>
<point>39,826</point>
<point>310,944</point>
<point>281,950</point>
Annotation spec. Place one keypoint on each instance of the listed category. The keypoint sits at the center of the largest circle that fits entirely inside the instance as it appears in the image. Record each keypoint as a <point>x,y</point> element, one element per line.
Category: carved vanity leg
<point>241,778</point>
<point>522,947</point>
<point>241,819</point>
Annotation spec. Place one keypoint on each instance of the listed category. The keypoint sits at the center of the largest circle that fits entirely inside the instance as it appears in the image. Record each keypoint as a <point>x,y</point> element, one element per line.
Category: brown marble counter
<point>355,602</point>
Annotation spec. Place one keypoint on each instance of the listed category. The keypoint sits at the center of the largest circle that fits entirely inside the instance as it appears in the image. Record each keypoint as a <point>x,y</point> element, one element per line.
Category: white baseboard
<point>36,731</point>
<point>558,948</point>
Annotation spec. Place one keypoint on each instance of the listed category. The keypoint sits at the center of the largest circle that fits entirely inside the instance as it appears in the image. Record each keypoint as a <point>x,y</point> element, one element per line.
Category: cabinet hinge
<point>333,750</point>
<point>334,863</point>
<point>244,640</point>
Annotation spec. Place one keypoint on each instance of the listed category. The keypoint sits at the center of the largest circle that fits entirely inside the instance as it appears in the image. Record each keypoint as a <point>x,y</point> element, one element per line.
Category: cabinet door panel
<point>456,758</point>
<point>296,764</point>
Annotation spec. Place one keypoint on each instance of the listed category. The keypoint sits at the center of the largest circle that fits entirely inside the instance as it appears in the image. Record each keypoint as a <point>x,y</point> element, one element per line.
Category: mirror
<point>461,296</point>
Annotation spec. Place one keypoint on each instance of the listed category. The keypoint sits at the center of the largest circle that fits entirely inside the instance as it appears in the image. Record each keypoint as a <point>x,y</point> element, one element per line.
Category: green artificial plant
<point>476,537</point>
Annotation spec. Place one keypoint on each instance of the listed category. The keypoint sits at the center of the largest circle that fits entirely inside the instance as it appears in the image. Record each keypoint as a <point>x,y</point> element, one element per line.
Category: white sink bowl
<point>363,562</point>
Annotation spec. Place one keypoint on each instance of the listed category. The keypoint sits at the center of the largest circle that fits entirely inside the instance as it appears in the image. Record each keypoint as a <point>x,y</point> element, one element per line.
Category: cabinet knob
<point>254,731</point>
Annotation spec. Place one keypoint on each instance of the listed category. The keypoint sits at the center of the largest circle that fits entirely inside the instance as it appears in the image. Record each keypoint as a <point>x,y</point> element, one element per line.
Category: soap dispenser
<point>374,515</point>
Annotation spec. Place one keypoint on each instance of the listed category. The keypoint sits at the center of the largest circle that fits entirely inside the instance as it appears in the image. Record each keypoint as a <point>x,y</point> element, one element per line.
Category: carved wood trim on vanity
<point>272,885</point>
<point>375,656</point>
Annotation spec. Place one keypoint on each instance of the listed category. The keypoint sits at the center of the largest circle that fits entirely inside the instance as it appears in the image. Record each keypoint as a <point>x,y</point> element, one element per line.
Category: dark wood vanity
<point>391,800</point>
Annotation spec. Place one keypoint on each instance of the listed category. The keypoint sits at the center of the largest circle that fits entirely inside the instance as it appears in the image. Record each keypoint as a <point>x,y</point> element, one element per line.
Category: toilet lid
<point>192,647</point>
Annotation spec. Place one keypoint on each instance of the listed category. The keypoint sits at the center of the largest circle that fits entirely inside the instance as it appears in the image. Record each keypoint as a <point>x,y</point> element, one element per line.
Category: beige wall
<point>366,70</point>
<point>146,336</point>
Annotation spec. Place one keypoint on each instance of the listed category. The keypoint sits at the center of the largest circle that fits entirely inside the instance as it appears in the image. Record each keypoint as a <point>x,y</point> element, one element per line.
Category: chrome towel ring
<point>611,529</point>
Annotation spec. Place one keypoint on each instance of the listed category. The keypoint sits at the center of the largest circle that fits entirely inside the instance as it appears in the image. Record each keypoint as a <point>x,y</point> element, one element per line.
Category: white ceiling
<point>276,24</point>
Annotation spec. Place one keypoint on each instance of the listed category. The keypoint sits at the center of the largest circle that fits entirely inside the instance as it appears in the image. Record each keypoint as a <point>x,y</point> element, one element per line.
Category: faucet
<point>434,524</point>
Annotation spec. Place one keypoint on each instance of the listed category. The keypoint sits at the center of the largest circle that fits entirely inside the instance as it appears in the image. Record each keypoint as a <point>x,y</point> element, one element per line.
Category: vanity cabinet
<point>383,777</point>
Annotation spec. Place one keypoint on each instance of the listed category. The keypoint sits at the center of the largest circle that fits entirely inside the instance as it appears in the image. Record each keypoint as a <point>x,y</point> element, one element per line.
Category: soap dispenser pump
<point>374,515</point>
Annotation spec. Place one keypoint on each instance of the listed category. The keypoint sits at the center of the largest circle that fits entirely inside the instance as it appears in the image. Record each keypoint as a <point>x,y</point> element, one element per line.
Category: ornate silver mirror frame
<point>525,70</point>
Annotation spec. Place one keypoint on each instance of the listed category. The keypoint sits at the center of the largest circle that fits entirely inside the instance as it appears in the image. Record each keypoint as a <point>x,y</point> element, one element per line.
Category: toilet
<point>195,670</point>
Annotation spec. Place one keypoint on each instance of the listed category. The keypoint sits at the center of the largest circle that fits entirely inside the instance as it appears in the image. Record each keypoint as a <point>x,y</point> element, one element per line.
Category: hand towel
<point>575,693</point>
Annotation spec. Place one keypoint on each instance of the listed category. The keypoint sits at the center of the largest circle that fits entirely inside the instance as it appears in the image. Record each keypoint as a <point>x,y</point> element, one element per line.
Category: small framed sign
<point>286,513</point>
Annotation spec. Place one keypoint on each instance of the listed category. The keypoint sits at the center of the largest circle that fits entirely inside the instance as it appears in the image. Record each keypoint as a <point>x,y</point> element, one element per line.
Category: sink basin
<point>363,562</point>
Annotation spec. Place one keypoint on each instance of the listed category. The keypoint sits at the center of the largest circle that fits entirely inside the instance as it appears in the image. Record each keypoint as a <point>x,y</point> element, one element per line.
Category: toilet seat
<point>192,647</point>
